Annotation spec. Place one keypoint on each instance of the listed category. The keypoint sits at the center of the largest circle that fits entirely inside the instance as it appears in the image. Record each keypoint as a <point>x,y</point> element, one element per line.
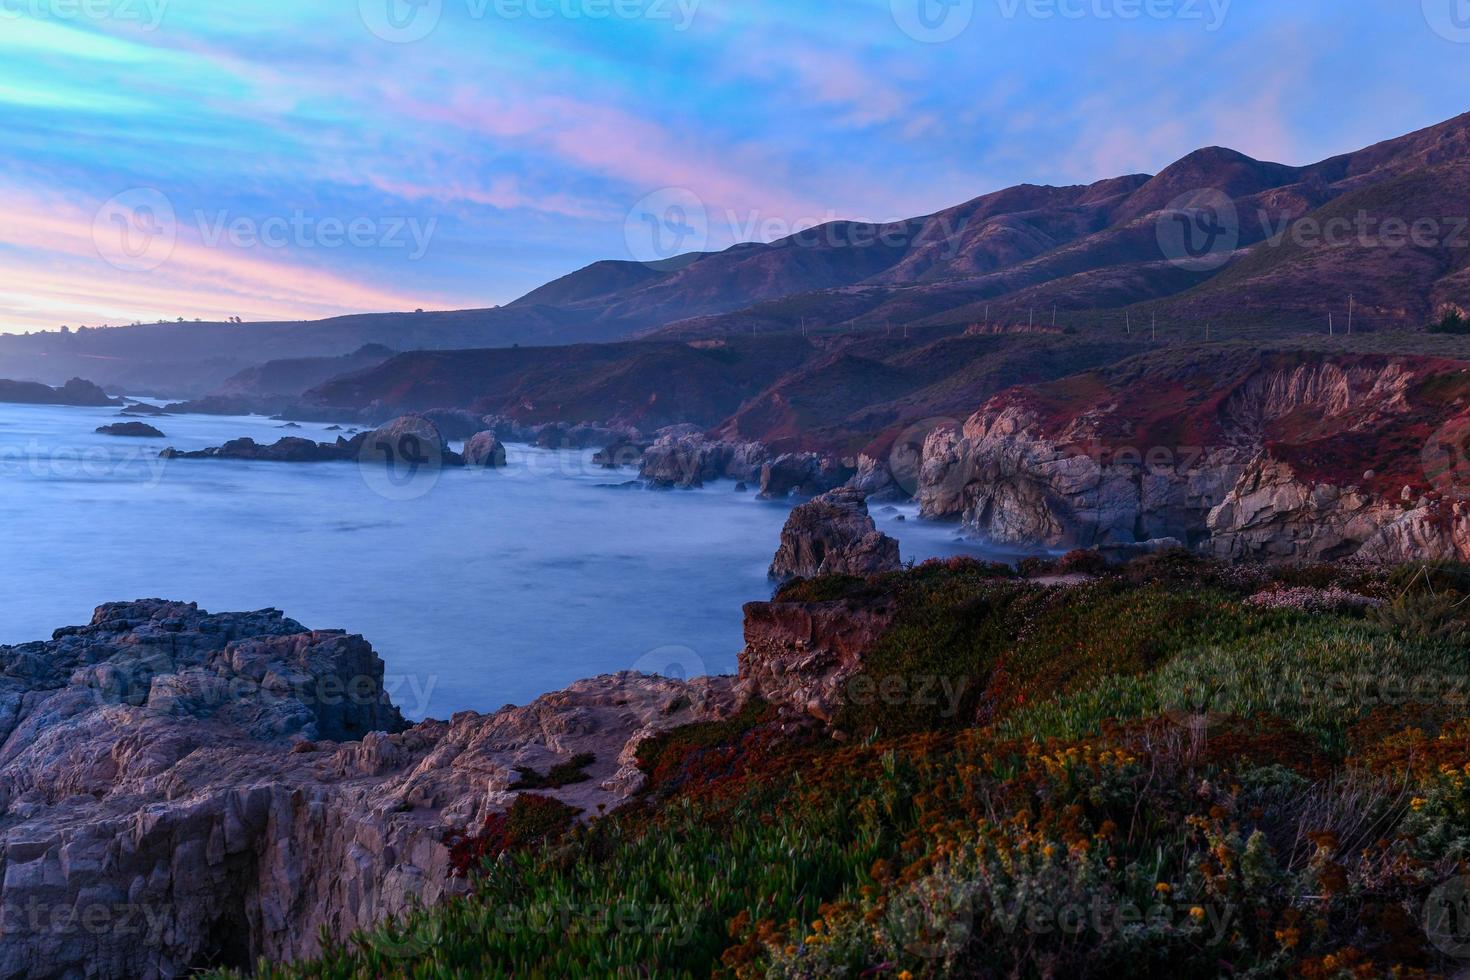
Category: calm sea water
<point>490,588</point>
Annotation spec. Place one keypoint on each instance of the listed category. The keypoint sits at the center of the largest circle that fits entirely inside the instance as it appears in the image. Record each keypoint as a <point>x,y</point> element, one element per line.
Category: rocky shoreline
<point>180,789</point>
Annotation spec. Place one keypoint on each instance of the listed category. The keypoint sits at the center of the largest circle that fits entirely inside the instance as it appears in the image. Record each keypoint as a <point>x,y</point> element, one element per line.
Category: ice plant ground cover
<point>1148,775</point>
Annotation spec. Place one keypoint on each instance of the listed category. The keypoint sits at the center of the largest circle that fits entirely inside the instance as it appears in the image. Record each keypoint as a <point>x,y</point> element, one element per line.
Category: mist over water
<point>492,588</point>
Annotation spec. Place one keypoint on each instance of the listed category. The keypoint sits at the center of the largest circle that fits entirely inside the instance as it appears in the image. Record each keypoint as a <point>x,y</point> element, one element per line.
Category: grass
<point>1148,776</point>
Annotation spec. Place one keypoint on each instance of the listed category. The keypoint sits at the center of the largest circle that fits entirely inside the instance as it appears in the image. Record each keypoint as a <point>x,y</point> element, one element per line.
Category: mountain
<point>1215,237</point>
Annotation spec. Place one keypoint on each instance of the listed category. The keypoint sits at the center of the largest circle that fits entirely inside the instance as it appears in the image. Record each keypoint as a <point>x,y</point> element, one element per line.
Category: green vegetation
<point>563,774</point>
<point>1175,770</point>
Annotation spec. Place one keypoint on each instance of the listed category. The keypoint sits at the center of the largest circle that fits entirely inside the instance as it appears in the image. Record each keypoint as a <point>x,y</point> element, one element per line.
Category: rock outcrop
<point>1009,484</point>
<point>801,655</point>
<point>833,535</point>
<point>484,449</point>
<point>410,439</point>
<point>1272,513</point>
<point>179,789</point>
<point>287,449</point>
<point>137,430</point>
<point>1274,456</point>
<point>681,459</point>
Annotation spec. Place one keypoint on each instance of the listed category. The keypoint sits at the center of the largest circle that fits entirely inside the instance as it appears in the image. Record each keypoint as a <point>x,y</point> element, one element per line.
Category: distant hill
<point>1217,236</point>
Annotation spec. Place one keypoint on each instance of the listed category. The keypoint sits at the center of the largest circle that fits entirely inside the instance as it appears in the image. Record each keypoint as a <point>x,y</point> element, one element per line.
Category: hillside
<point>1265,252</point>
<point>1180,768</point>
<point>831,392</point>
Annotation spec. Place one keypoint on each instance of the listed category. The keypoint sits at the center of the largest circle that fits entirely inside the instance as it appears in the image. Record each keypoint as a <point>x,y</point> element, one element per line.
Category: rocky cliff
<point>1241,453</point>
<point>180,789</point>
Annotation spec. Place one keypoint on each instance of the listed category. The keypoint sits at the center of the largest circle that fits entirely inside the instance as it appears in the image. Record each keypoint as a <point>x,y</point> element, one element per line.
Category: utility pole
<point>1053,315</point>
<point>1127,324</point>
<point>1155,326</point>
<point>1351,299</point>
<point>1031,318</point>
<point>987,316</point>
<point>1330,331</point>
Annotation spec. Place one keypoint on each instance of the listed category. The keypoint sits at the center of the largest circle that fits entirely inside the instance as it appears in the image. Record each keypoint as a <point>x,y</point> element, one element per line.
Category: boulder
<point>833,535</point>
<point>411,438</point>
<point>485,450</point>
<point>139,430</point>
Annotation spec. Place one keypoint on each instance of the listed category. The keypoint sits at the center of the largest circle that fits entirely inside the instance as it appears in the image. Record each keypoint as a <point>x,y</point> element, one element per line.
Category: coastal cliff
<point>1240,454</point>
<point>181,790</point>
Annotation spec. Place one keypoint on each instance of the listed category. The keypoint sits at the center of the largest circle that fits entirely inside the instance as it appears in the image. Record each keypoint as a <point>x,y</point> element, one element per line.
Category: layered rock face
<point>1275,514</point>
<point>1011,485</point>
<point>179,789</point>
<point>801,655</point>
<point>1285,457</point>
<point>833,535</point>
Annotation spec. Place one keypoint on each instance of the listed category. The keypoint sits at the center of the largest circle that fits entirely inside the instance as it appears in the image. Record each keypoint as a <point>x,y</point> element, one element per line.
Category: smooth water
<point>479,589</point>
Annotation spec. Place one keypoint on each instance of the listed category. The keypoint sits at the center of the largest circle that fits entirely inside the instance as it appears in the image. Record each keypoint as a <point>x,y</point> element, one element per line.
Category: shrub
<point>1305,598</point>
<point>1035,566</point>
<point>531,820</point>
<point>1083,562</point>
<point>562,774</point>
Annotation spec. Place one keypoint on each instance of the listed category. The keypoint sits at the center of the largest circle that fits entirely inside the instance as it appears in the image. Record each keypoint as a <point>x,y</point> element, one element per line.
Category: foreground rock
<point>180,789</point>
<point>138,430</point>
<point>833,535</point>
<point>801,656</point>
<point>75,392</point>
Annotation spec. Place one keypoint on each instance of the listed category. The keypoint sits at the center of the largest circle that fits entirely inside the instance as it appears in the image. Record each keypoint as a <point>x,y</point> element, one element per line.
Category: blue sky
<point>204,158</point>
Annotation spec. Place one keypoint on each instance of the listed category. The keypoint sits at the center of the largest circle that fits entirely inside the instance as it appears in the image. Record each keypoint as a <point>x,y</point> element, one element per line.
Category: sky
<point>287,159</point>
